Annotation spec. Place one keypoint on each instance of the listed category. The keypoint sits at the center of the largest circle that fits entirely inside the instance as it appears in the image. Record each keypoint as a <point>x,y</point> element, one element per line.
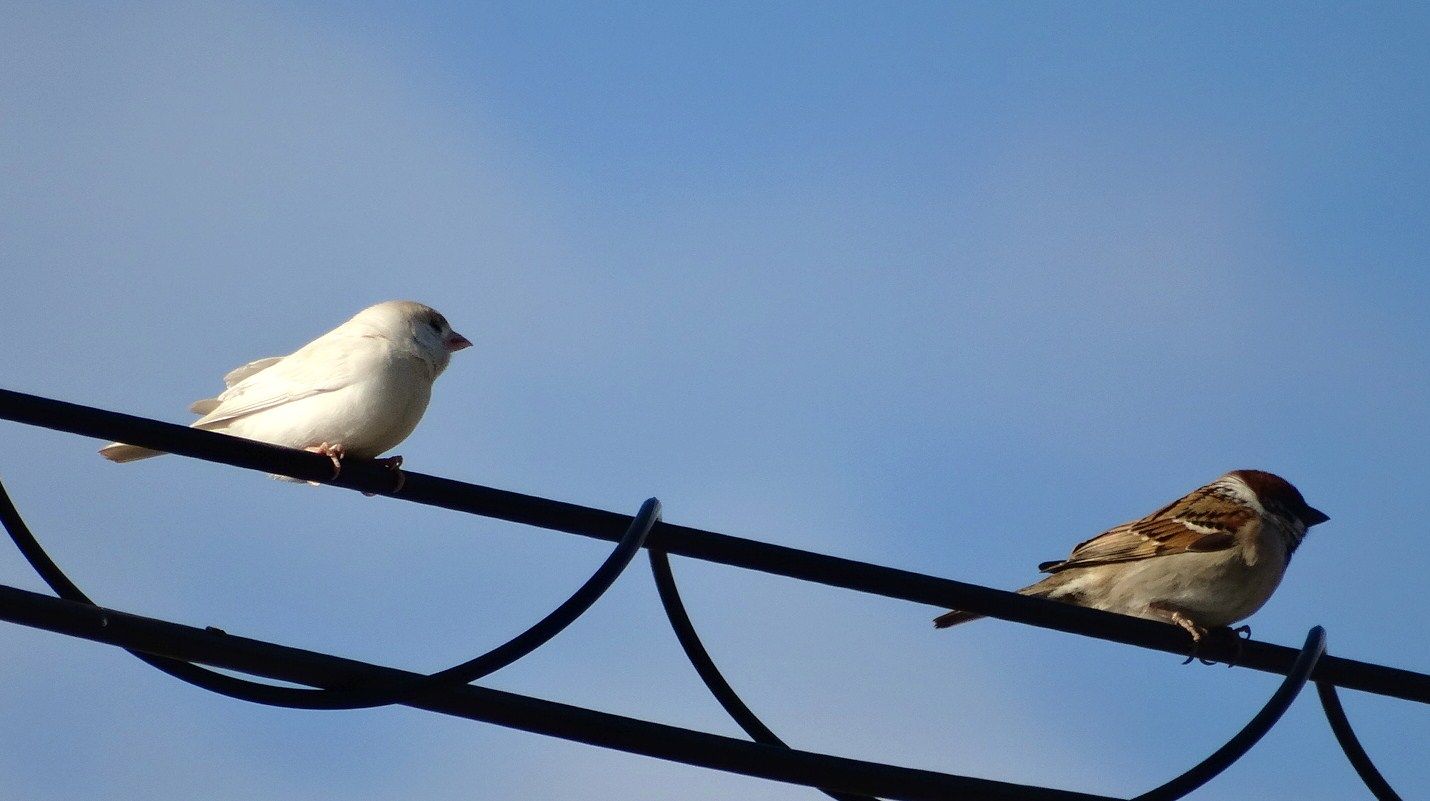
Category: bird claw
<point>1197,655</point>
<point>1241,634</point>
<point>393,463</point>
<point>337,453</point>
<point>1196,632</point>
<point>333,452</point>
<point>1199,634</point>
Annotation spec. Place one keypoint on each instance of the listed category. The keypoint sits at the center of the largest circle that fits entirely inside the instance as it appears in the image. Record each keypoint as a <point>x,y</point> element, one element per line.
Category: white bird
<point>357,390</point>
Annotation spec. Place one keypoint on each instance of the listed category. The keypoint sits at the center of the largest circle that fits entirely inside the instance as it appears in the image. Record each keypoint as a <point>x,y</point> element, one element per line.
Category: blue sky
<point>948,288</point>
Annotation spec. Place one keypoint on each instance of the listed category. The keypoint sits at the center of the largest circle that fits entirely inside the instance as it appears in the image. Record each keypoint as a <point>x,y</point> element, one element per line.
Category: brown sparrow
<point>1204,561</point>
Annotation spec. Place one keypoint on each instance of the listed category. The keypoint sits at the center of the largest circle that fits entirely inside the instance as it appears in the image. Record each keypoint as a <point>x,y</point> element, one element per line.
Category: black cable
<point>1350,744</point>
<point>645,530</point>
<point>705,666</point>
<point>1253,731</point>
<point>695,543</point>
<point>535,715</point>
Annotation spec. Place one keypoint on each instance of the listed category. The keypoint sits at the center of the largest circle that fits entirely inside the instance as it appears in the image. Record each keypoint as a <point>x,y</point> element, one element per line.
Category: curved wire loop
<point>1253,731</point>
<point>1346,736</point>
<point>366,696</point>
<point>705,666</point>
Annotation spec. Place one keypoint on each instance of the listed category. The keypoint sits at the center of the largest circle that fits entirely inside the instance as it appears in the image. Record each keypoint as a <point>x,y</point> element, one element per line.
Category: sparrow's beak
<point>456,342</point>
<point>1313,516</point>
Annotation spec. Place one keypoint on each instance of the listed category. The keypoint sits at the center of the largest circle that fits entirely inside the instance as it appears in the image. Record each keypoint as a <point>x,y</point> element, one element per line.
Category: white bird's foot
<point>393,463</point>
<point>334,452</point>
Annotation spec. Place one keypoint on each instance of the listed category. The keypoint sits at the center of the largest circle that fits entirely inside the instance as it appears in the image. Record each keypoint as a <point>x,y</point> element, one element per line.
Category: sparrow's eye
<point>437,324</point>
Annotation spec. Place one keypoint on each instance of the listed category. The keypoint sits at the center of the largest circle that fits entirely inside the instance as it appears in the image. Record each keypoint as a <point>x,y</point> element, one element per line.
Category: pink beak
<point>456,342</point>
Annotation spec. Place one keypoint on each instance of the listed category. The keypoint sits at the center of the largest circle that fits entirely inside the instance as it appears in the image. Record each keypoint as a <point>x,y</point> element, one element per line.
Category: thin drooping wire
<point>1253,731</point>
<point>1350,744</point>
<point>1177,788</point>
<point>517,647</point>
<point>357,697</point>
<point>705,666</point>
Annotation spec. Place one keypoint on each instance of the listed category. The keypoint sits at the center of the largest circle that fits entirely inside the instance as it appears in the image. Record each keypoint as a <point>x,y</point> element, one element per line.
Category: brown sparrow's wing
<point>1201,521</point>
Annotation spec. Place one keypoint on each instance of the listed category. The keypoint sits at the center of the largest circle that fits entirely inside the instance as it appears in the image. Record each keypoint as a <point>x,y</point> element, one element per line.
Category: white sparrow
<point>1204,561</point>
<point>357,390</point>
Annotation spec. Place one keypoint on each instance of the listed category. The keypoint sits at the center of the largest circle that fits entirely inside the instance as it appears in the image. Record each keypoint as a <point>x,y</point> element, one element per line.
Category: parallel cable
<point>172,641</point>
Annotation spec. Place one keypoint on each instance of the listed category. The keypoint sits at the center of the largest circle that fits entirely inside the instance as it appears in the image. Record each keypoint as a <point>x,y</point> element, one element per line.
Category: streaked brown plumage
<point>1206,560</point>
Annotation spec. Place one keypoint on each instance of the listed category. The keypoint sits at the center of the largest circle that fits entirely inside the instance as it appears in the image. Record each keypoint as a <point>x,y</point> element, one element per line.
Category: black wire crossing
<point>332,682</point>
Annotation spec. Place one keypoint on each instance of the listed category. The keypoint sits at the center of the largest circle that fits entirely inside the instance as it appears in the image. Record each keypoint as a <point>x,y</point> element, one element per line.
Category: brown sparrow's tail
<point>1040,590</point>
<point>953,618</point>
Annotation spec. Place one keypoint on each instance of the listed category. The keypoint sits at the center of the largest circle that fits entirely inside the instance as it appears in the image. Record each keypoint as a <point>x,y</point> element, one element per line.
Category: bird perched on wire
<point>1203,561</point>
<point>357,390</point>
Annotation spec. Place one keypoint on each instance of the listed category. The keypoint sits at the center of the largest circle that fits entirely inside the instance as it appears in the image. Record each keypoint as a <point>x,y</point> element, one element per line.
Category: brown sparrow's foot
<point>393,463</point>
<point>1240,634</point>
<point>1191,628</point>
<point>334,452</point>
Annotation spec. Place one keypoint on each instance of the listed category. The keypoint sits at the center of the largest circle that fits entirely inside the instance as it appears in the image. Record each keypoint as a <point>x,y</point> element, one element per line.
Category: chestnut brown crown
<point>1278,496</point>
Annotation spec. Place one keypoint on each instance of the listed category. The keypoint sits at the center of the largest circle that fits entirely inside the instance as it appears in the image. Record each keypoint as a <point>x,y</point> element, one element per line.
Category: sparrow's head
<point>1279,499</point>
<point>416,324</point>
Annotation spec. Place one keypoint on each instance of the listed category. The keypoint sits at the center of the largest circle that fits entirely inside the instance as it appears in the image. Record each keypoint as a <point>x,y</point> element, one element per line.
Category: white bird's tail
<point>119,452</point>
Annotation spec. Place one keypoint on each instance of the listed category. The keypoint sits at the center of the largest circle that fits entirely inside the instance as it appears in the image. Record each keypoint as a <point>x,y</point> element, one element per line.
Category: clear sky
<point>948,287</point>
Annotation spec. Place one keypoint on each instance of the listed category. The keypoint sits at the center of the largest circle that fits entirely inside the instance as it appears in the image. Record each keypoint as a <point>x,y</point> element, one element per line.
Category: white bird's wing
<point>234,376</point>
<point>326,364</point>
<point>237,374</point>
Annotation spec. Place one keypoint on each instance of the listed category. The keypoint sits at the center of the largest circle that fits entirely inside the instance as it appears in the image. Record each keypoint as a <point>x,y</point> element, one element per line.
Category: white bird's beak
<point>456,342</point>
